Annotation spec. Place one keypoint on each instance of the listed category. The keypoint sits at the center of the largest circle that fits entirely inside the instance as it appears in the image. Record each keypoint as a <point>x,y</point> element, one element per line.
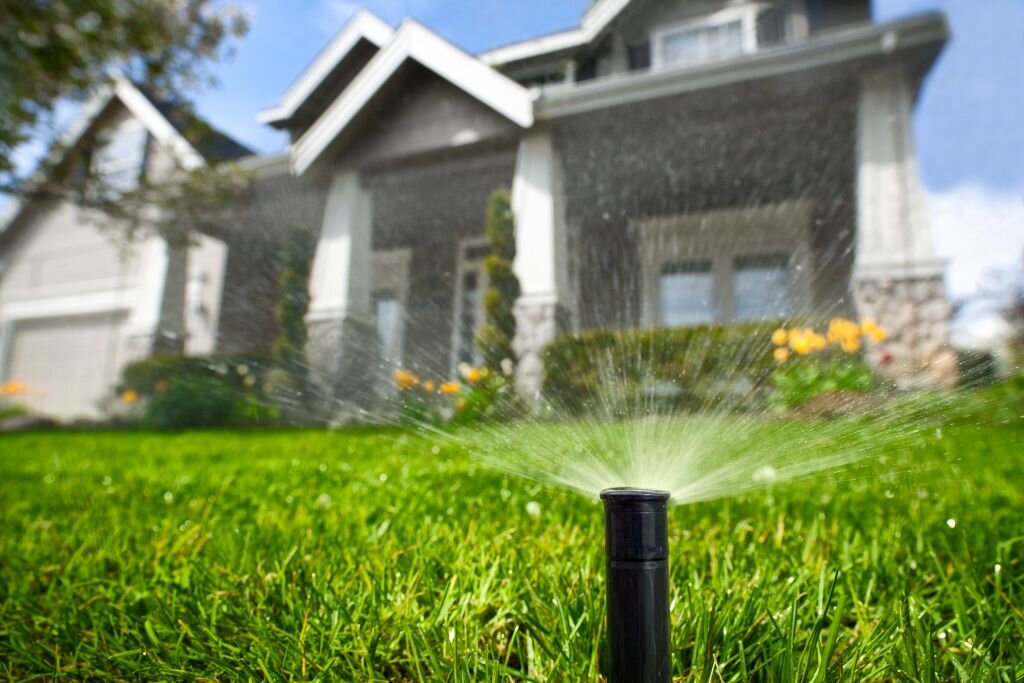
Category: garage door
<point>67,364</point>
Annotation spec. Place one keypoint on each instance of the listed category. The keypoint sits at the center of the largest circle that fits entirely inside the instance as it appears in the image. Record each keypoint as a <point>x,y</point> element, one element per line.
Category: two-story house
<point>671,162</point>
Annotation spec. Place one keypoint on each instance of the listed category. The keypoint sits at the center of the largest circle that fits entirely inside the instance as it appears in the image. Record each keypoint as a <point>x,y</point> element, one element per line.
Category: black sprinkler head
<point>636,544</point>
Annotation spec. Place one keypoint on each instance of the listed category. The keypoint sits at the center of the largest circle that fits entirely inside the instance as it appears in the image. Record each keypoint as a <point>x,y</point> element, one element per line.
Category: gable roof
<point>362,26</point>
<point>156,117</point>
<point>413,41</point>
<point>595,20</point>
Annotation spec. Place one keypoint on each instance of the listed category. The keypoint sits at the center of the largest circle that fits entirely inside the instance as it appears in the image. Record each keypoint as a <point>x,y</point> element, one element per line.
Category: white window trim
<point>462,266</point>
<point>391,273</point>
<point>746,14</point>
<point>721,236</point>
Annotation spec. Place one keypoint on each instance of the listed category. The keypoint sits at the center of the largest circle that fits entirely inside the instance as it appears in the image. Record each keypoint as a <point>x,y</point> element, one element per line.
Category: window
<point>469,318</point>
<point>117,164</point>
<point>761,287</point>
<point>387,313</point>
<point>686,294</point>
<point>470,283</point>
<point>702,43</point>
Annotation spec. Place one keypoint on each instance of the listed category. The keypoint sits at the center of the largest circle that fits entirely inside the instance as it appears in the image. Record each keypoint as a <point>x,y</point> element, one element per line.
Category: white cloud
<point>977,229</point>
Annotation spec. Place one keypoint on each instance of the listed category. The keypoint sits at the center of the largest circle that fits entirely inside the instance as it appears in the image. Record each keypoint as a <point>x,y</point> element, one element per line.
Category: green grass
<point>381,555</point>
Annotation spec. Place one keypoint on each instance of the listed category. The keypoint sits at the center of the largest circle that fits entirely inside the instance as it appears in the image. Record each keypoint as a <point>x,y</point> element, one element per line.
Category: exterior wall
<point>427,115</point>
<point>275,202</point>
<point>755,145</point>
<point>430,207</point>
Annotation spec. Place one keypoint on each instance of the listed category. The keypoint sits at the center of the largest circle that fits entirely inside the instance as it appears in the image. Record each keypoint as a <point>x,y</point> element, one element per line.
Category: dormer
<point>622,36</point>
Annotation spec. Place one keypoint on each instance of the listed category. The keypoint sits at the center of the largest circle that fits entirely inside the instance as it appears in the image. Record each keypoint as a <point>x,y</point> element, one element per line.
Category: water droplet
<point>289,499</point>
<point>951,523</point>
<point>533,509</point>
<point>451,635</point>
<point>107,481</point>
<point>998,568</point>
<point>323,467</point>
<point>383,477</point>
<point>435,450</point>
<point>913,564</point>
<point>890,494</point>
<point>942,635</point>
<point>791,579</point>
<point>168,497</point>
<point>49,479</point>
<point>323,500</point>
<point>295,462</point>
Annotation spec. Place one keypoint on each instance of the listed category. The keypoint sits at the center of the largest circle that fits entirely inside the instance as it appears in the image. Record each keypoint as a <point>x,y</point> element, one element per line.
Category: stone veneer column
<point>541,257</point>
<point>342,344</point>
<point>898,282</point>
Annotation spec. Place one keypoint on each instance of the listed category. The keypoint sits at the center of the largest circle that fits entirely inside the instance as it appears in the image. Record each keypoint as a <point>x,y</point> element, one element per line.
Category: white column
<point>342,345</point>
<point>898,281</point>
<point>893,234</point>
<point>541,255</point>
<point>340,279</point>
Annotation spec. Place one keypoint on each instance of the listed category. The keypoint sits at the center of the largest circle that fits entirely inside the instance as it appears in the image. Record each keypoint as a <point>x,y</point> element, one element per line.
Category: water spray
<point>636,543</point>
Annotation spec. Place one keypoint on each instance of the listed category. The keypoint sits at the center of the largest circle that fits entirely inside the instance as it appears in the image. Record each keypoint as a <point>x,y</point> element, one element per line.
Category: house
<point>671,162</point>
<point>78,300</point>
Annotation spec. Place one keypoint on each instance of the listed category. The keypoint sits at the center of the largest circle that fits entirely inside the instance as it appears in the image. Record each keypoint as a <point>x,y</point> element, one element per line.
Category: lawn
<point>385,555</point>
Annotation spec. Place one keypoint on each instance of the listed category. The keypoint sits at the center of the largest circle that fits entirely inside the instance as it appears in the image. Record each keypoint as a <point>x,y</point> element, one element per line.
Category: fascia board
<point>363,26</point>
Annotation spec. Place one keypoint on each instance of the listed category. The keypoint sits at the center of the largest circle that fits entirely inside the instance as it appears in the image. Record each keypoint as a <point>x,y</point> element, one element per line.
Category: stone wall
<point>916,315</point>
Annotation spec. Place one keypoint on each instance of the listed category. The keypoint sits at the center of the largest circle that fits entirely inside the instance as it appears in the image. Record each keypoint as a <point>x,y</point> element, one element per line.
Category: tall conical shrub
<point>495,337</point>
<point>291,373</point>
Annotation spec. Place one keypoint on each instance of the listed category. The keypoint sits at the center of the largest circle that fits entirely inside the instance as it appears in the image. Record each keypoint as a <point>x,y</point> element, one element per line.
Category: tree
<point>58,50</point>
<point>497,333</point>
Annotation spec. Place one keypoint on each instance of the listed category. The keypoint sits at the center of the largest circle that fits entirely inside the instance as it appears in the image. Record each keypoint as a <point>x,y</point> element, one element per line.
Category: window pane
<point>762,288</point>
<point>703,44</point>
<point>686,294</point>
<point>469,317</point>
<point>387,314</point>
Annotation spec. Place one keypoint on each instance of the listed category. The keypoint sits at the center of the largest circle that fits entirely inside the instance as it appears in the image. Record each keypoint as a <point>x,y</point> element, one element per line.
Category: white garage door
<point>67,364</point>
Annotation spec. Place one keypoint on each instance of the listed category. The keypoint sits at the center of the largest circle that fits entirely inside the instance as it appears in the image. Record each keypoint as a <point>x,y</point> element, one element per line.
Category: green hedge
<point>624,373</point>
<point>182,392</point>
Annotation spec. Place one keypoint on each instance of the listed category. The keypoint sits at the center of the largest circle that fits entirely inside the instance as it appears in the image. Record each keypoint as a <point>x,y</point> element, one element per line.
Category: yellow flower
<point>405,379</point>
<point>800,341</point>
<point>473,375</point>
<point>460,404</point>
<point>779,337</point>
<point>450,388</point>
<point>12,388</point>
<point>781,354</point>
<point>429,386</point>
<point>879,334</point>
<point>130,396</point>
<point>850,345</point>
<point>817,341</point>
<point>873,330</point>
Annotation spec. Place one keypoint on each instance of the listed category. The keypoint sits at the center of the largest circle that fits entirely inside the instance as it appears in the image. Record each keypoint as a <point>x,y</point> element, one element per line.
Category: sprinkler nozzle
<point>636,544</point>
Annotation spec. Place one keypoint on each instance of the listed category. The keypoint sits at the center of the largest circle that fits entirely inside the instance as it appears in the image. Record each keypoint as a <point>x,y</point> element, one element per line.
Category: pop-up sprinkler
<point>636,542</point>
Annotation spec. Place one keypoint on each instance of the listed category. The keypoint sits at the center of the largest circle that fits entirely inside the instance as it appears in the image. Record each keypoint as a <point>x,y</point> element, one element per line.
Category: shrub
<point>811,364</point>
<point>479,394</point>
<point>977,369</point>
<point>496,334</point>
<point>621,373</point>
<point>287,385</point>
<point>180,392</point>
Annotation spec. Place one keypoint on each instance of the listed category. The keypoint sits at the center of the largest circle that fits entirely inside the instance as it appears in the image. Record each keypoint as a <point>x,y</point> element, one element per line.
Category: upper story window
<point>721,35</point>
<point>117,164</point>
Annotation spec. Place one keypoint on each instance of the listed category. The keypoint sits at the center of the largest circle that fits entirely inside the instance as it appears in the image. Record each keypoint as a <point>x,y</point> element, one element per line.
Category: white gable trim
<point>595,20</point>
<point>413,41</point>
<point>363,26</point>
<point>165,133</point>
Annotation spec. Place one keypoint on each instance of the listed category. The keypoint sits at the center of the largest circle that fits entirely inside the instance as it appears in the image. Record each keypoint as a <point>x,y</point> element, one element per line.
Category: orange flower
<point>429,386</point>
<point>850,345</point>
<point>781,354</point>
<point>130,396</point>
<point>473,375</point>
<point>12,388</point>
<point>450,388</point>
<point>779,337</point>
<point>405,379</point>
